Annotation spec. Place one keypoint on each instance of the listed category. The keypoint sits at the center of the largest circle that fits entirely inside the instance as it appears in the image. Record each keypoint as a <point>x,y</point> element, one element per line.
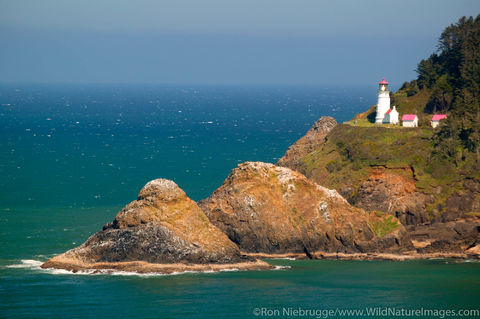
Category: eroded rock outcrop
<point>387,169</point>
<point>459,236</point>
<point>308,143</point>
<point>163,230</point>
<point>393,191</point>
<point>270,209</point>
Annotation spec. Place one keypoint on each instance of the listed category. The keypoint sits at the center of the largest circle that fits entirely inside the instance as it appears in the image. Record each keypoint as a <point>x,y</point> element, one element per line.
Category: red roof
<point>383,81</point>
<point>388,112</point>
<point>409,117</point>
<point>438,117</point>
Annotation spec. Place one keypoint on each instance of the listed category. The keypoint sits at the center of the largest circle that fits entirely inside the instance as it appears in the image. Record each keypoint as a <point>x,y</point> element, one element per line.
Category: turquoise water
<point>72,156</point>
<point>307,284</point>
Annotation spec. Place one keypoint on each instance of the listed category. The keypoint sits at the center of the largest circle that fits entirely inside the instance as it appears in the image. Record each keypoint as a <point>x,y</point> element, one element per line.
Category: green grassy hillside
<point>443,162</point>
<point>351,153</point>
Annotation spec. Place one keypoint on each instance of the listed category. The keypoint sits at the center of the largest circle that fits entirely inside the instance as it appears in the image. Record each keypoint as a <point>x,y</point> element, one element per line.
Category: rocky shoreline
<point>393,178</point>
<point>365,256</point>
<point>162,231</point>
<point>265,208</point>
<point>264,211</point>
<point>143,267</point>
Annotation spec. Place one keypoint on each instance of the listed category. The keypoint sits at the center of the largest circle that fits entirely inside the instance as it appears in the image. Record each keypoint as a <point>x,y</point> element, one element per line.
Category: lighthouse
<point>383,103</point>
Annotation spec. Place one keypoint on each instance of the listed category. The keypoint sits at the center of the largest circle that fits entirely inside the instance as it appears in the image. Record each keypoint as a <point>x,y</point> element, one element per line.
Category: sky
<point>221,42</point>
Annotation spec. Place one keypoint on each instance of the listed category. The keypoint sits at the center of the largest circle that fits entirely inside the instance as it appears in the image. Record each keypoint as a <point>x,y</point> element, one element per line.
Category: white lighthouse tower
<point>383,104</point>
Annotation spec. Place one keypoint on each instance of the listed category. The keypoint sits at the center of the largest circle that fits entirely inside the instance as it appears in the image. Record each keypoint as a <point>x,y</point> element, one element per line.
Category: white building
<point>383,103</point>
<point>410,120</point>
<point>437,118</point>
<point>391,116</point>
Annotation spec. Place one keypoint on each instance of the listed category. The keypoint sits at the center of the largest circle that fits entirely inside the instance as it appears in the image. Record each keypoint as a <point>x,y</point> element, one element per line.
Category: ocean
<point>71,156</point>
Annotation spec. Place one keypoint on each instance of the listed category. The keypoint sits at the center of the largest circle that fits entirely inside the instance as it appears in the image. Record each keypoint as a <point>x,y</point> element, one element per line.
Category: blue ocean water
<point>97,145</point>
<point>72,155</point>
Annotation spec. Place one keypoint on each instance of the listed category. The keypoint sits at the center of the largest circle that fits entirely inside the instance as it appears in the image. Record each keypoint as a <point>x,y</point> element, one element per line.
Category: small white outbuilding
<point>437,118</point>
<point>410,120</point>
<point>391,116</point>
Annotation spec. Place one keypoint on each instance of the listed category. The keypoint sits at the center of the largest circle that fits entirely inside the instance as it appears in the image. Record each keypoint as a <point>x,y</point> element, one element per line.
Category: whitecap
<point>229,269</point>
<point>187,272</point>
<point>282,267</point>
<point>467,261</point>
<point>35,265</point>
<point>27,263</point>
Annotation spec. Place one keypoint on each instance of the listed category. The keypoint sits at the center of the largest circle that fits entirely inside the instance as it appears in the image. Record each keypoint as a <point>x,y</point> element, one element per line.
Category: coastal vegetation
<point>440,159</point>
<point>448,82</point>
<point>351,154</point>
<point>382,224</point>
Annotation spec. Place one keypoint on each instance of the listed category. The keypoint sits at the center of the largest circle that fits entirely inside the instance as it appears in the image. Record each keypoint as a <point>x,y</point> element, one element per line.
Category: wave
<point>282,267</point>
<point>35,265</point>
<point>284,258</point>
<point>27,263</point>
<point>462,261</point>
<point>229,270</point>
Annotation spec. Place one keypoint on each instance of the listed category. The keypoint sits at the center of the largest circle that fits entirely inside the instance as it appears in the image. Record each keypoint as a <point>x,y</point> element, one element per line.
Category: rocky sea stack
<point>269,209</point>
<point>162,231</point>
<point>392,170</point>
<point>308,143</point>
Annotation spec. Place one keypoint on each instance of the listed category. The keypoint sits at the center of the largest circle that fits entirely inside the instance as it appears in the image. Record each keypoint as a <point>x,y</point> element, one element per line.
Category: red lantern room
<point>383,85</point>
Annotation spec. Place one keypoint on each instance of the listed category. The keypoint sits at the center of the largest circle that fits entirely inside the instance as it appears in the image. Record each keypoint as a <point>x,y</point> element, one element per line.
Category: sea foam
<point>27,263</point>
<point>35,265</point>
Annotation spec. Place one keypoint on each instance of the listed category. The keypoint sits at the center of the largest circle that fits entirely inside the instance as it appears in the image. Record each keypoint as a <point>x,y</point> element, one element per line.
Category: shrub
<point>333,166</point>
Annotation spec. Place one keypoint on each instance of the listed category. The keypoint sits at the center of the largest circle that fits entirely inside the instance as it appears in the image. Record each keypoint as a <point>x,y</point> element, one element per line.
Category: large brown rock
<point>308,143</point>
<point>270,209</point>
<point>459,203</point>
<point>163,226</point>
<point>452,236</point>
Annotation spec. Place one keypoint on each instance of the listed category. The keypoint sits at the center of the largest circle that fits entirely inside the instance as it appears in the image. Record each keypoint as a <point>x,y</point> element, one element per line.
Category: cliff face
<point>163,226</point>
<point>372,168</point>
<point>388,170</point>
<point>392,190</point>
<point>308,143</point>
<point>270,209</point>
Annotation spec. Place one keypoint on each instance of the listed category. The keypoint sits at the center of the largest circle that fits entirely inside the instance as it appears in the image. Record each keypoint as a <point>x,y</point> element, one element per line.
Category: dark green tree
<point>442,96</point>
<point>428,71</point>
<point>453,75</point>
